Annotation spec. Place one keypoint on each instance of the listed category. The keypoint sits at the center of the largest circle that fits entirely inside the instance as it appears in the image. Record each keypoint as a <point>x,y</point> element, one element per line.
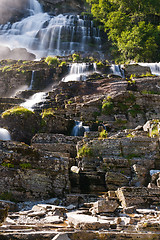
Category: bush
<point>52,61</point>
<point>107,106</point>
<point>103,134</point>
<point>75,57</point>
<point>85,151</point>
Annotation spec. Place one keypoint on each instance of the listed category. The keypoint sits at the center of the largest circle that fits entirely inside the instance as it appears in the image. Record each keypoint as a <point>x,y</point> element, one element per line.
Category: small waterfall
<point>4,134</point>
<point>79,72</point>
<point>117,70</point>
<point>45,35</point>
<point>32,80</point>
<point>34,100</point>
<point>155,67</point>
<point>79,129</point>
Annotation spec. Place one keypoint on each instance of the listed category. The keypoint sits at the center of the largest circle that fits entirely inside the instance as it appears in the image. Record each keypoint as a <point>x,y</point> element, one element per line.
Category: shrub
<point>85,151</point>
<point>75,57</point>
<point>107,106</point>
<point>103,134</point>
<point>62,64</point>
<point>52,61</point>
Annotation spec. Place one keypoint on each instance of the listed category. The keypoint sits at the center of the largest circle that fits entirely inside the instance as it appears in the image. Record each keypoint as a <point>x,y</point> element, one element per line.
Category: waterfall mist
<point>9,8</point>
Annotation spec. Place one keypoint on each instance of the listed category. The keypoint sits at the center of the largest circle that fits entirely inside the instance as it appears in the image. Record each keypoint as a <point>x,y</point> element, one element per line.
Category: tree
<point>132,26</point>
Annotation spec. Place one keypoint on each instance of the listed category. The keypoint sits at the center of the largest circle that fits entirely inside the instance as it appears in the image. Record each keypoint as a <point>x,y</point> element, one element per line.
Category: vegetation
<point>85,151</point>
<point>107,106</point>
<point>47,112</point>
<point>75,57</point>
<point>52,61</point>
<point>16,111</point>
<point>132,26</point>
<point>103,134</point>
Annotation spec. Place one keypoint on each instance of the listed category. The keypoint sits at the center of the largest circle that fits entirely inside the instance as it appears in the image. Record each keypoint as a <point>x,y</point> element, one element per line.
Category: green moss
<point>48,112</point>
<point>100,64</point>
<point>25,165</point>
<point>17,111</point>
<point>150,92</point>
<point>85,151</point>
<point>7,196</point>
<point>7,165</point>
<point>135,110</point>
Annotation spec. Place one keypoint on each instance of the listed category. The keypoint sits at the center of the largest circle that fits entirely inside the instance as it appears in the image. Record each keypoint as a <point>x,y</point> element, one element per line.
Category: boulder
<point>136,69</point>
<point>104,206</point>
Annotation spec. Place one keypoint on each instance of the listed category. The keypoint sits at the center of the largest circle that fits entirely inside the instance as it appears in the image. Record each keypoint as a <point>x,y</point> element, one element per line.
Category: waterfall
<point>79,129</point>
<point>34,100</point>
<point>45,35</point>
<point>4,134</point>
<point>79,71</point>
<point>155,67</point>
<point>117,70</point>
<point>32,80</point>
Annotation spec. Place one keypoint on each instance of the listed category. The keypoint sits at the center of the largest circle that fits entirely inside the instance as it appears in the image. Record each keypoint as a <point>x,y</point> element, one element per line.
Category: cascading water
<point>34,100</point>
<point>117,70</point>
<point>4,134</point>
<point>79,71</point>
<point>44,35</point>
<point>32,80</point>
<point>79,129</point>
<point>155,67</point>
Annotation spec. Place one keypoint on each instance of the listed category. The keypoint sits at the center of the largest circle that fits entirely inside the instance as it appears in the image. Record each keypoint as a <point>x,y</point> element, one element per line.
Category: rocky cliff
<point>63,6</point>
<point>109,176</point>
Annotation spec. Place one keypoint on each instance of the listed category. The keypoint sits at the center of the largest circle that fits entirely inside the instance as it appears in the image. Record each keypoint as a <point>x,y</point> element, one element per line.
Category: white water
<point>155,67</point>
<point>117,70</point>
<point>34,100</point>
<point>45,35</point>
<point>4,134</point>
<point>79,72</point>
<point>79,129</point>
<point>32,80</point>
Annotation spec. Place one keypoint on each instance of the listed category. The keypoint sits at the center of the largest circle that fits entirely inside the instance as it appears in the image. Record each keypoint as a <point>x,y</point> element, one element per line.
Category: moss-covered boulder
<point>22,123</point>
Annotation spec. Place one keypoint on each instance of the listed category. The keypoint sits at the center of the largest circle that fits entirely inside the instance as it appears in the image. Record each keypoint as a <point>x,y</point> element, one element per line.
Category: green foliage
<point>107,106</point>
<point>25,165</point>
<point>47,112</point>
<point>52,61</point>
<point>7,165</point>
<point>17,111</point>
<point>85,151</point>
<point>103,134</point>
<point>132,27</point>
<point>75,57</point>
<point>100,64</point>
<point>149,92</point>
<point>7,196</point>
<point>62,64</point>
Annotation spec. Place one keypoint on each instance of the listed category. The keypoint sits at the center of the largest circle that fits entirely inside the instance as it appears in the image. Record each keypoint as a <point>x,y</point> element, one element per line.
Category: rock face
<point>139,197</point>
<point>3,212</point>
<point>27,173</point>
<point>63,6</point>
